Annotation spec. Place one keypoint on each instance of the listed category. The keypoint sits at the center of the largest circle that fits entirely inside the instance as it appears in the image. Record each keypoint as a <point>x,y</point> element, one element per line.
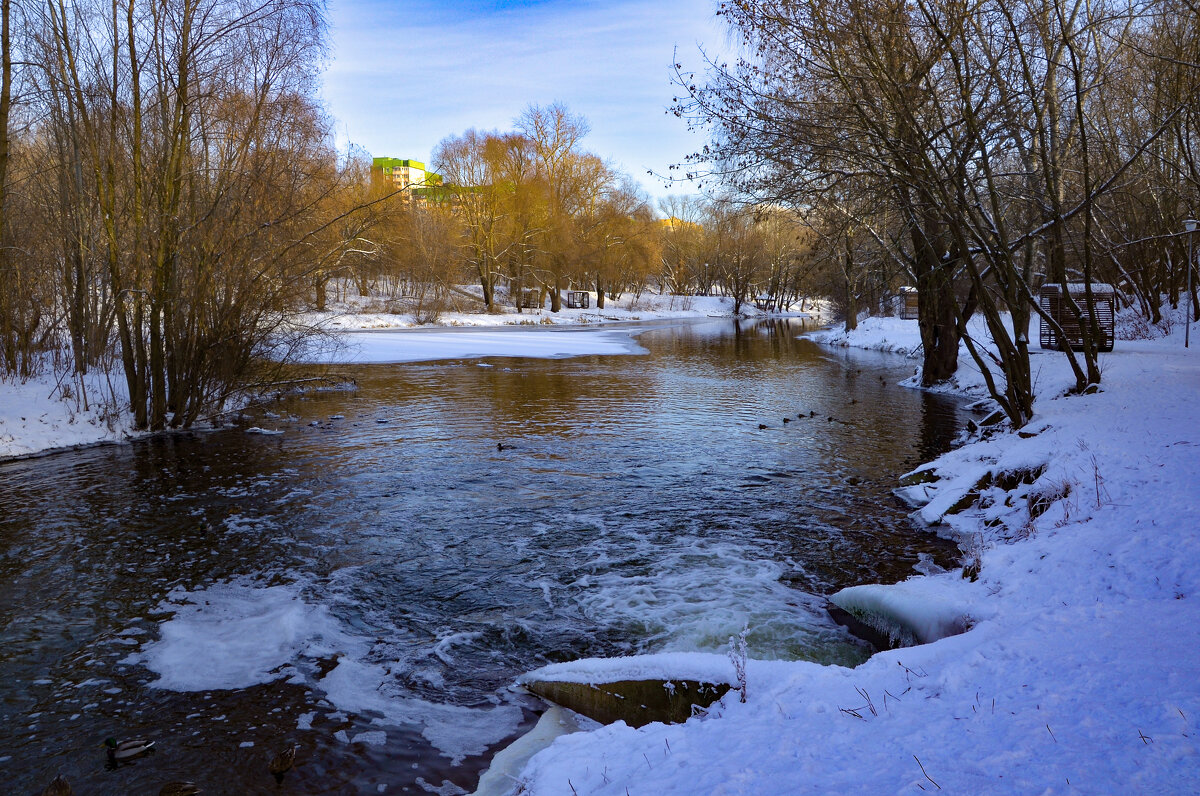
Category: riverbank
<point>349,311</point>
<point>40,415</point>
<point>43,414</point>
<point>1079,671</point>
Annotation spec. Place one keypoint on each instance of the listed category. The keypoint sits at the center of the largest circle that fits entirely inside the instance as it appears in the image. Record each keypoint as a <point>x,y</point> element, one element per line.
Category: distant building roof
<point>392,163</point>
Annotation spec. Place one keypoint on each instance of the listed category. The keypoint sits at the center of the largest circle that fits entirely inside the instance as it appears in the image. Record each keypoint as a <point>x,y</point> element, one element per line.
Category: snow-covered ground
<point>1080,671</point>
<point>351,311</point>
<point>45,414</point>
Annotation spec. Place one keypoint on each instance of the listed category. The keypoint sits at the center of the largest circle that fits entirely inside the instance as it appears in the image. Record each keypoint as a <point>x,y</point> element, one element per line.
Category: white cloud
<point>403,78</point>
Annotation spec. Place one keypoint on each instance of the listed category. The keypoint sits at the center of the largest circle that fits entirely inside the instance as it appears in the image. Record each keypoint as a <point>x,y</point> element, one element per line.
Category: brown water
<point>368,587</point>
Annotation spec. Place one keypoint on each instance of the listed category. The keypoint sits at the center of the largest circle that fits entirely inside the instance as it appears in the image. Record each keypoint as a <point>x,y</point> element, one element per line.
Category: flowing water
<point>367,584</point>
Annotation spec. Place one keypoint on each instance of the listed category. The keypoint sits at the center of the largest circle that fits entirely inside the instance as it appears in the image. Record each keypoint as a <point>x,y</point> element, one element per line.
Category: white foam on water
<point>371,738</point>
<point>457,732</point>
<point>236,635</point>
<point>693,597</point>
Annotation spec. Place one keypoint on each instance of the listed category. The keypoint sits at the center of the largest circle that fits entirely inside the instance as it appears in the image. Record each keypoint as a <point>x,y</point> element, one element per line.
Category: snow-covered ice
<point>918,611</point>
<point>705,667</point>
<point>394,346</point>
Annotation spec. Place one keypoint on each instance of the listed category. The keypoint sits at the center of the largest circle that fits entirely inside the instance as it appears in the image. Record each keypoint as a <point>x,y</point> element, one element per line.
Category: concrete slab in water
<point>636,702</point>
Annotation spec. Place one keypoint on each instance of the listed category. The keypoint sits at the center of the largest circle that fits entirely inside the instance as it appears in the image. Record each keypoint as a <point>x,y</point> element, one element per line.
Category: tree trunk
<point>5,105</point>
<point>851,290</point>
<point>489,291</point>
<point>937,305</point>
<point>321,293</point>
<point>937,316</point>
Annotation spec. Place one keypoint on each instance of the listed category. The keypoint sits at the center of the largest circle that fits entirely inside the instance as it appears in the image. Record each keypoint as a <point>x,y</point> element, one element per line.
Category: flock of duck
<point>122,752</point>
<point>804,416</point>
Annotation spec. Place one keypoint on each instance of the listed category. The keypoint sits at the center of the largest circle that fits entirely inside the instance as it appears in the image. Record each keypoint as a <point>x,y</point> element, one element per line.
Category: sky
<point>403,76</point>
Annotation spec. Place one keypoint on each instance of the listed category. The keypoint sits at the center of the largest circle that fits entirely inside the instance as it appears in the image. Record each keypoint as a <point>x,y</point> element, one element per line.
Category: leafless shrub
<point>1101,491</point>
<point>737,656</point>
<point>972,558</point>
<point>1051,492</point>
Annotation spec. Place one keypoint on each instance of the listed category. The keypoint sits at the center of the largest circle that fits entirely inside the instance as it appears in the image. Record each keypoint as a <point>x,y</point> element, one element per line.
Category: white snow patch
<point>394,346</point>
<point>704,667</point>
<point>916,611</point>
<point>371,738</point>
<point>374,312</point>
<point>34,416</point>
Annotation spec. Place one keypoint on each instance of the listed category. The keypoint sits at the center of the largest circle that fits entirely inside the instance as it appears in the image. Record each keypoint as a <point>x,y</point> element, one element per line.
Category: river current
<point>366,580</point>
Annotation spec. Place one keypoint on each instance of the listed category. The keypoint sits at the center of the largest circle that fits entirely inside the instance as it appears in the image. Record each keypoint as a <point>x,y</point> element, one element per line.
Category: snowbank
<point>701,666</point>
<point>1079,672</point>
<point>35,417</point>
<point>351,311</point>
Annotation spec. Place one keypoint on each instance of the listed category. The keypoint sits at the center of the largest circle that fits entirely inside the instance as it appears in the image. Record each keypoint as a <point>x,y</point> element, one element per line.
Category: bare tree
<point>976,133</point>
<point>193,168</point>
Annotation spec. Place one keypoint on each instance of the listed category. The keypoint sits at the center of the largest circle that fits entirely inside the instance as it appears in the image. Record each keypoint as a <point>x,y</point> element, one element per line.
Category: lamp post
<point>1190,225</point>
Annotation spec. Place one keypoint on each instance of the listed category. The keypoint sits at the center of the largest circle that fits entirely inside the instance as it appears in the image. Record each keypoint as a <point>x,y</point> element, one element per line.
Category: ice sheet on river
<point>394,346</point>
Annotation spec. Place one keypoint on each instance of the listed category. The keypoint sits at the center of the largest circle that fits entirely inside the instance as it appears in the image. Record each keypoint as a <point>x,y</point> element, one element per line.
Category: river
<point>367,583</point>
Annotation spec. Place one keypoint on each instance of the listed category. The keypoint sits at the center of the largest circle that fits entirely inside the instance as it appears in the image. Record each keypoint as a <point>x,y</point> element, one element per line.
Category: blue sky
<point>403,76</point>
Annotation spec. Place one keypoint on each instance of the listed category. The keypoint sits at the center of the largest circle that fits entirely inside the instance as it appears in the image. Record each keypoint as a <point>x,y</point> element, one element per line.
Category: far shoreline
<point>35,421</point>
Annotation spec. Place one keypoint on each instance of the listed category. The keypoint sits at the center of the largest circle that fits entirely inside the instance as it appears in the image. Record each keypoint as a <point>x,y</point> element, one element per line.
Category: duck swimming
<point>282,763</point>
<point>124,751</point>
<point>58,787</point>
<point>179,789</point>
